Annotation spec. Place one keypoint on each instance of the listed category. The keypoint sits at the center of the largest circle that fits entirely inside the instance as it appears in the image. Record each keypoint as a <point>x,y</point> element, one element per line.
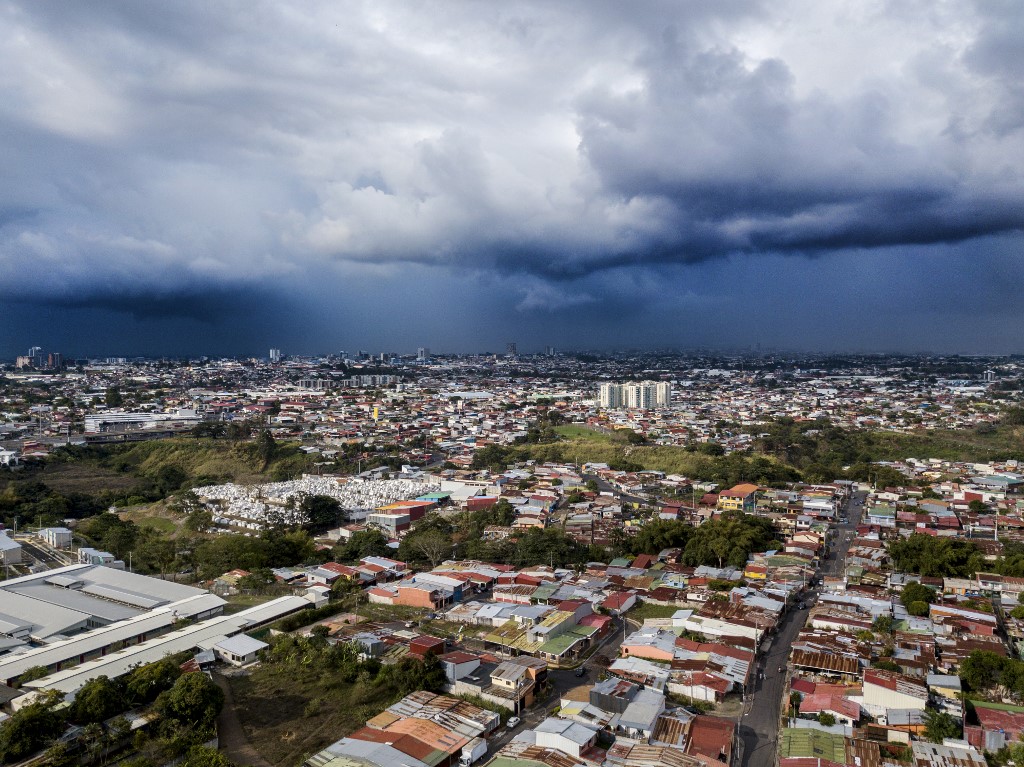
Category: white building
<point>646,395</point>
<point>10,550</point>
<point>239,650</point>
<point>56,537</point>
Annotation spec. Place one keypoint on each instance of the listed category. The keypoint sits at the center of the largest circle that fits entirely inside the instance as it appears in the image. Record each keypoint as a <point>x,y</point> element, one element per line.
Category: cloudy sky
<point>218,178</point>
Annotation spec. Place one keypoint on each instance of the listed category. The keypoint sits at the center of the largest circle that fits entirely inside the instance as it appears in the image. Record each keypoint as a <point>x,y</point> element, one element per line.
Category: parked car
<point>513,722</point>
<point>581,671</point>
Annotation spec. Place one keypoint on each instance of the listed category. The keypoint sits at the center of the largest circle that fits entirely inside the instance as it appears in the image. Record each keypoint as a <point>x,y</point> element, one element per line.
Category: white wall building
<point>646,395</point>
<point>10,550</point>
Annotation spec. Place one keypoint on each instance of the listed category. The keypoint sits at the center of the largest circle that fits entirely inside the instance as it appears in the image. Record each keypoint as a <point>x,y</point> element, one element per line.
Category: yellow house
<point>742,497</point>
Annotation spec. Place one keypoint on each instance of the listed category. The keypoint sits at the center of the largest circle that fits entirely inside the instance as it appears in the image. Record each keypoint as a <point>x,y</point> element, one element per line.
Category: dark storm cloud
<point>160,159</point>
<point>208,306</point>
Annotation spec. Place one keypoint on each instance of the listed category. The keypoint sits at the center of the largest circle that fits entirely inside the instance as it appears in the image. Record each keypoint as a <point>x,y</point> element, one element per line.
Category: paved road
<point>759,726</point>
<point>560,681</point>
<point>41,553</point>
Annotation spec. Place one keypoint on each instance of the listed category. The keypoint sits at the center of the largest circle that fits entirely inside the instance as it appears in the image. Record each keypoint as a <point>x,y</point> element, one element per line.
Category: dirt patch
<point>233,741</point>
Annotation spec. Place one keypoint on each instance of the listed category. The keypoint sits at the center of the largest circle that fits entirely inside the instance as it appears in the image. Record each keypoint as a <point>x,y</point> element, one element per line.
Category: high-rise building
<point>646,395</point>
<point>663,394</point>
<point>610,395</point>
<point>422,354</point>
<point>275,355</point>
<point>510,350</point>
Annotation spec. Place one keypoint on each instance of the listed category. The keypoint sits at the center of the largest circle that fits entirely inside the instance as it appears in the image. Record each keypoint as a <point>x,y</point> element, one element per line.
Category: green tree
<point>729,539</point>
<point>35,672</point>
<point>884,624</point>
<point>982,670</point>
<point>826,718</point>
<point>209,429</point>
<point>432,546</point>
<point>145,683</point>
<point>919,608</point>
<point>915,592</point>
<point>494,457</point>
<point>266,448</point>
<point>97,700</point>
<point>156,552</point>
<point>939,725</point>
<point>30,728</point>
<point>258,580</point>
<point>365,543</point>
<point>194,700</point>
<point>935,557</point>
<point>199,521</point>
<point>660,534</point>
<point>322,512</point>
<point>62,755</point>
<point>112,397</point>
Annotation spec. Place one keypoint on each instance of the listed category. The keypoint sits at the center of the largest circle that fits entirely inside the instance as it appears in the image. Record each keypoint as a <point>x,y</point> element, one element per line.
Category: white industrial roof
<point>204,634</point>
<point>240,645</point>
<point>65,594</point>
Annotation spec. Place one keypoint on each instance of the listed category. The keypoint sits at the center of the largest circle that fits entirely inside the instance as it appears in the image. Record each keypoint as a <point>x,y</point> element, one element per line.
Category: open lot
<point>85,477</point>
<point>288,712</point>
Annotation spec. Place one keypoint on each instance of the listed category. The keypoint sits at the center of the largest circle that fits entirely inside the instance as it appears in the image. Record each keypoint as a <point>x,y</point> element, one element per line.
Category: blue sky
<point>218,179</point>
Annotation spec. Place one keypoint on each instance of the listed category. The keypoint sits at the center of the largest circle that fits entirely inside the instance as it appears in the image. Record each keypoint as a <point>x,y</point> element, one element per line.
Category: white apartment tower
<point>275,355</point>
<point>646,395</point>
<point>610,395</point>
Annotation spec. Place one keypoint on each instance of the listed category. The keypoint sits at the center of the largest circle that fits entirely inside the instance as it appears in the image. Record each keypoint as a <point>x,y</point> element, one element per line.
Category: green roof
<point>545,591</point>
<point>814,744</point>
<point>559,644</point>
<point>620,562</point>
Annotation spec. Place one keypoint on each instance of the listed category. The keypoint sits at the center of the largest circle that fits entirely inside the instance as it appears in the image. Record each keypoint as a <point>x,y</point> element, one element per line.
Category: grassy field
<point>996,706</point>
<point>386,613</point>
<point>575,431</point>
<point>961,445</point>
<point>238,602</point>
<point>67,478</point>
<point>290,712</point>
<point>160,524</point>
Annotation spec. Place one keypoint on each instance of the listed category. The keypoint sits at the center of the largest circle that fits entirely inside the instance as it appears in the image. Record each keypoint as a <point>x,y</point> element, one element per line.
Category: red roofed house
<point>712,738</point>
<point>996,728</point>
<point>843,709</point>
<point>619,602</point>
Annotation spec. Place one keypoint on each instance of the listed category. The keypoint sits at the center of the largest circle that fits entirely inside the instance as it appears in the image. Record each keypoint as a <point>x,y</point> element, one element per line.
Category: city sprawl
<point>596,560</point>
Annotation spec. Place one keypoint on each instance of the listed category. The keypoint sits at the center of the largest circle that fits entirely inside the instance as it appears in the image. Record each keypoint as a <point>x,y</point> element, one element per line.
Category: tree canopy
<point>935,557</point>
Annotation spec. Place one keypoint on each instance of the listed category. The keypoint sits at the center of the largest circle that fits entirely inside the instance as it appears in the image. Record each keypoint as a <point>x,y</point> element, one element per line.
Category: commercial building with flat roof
<point>68,600</point>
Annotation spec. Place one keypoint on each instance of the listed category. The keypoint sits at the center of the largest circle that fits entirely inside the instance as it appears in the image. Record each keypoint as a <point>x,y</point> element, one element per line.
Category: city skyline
<point>189,180</point>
